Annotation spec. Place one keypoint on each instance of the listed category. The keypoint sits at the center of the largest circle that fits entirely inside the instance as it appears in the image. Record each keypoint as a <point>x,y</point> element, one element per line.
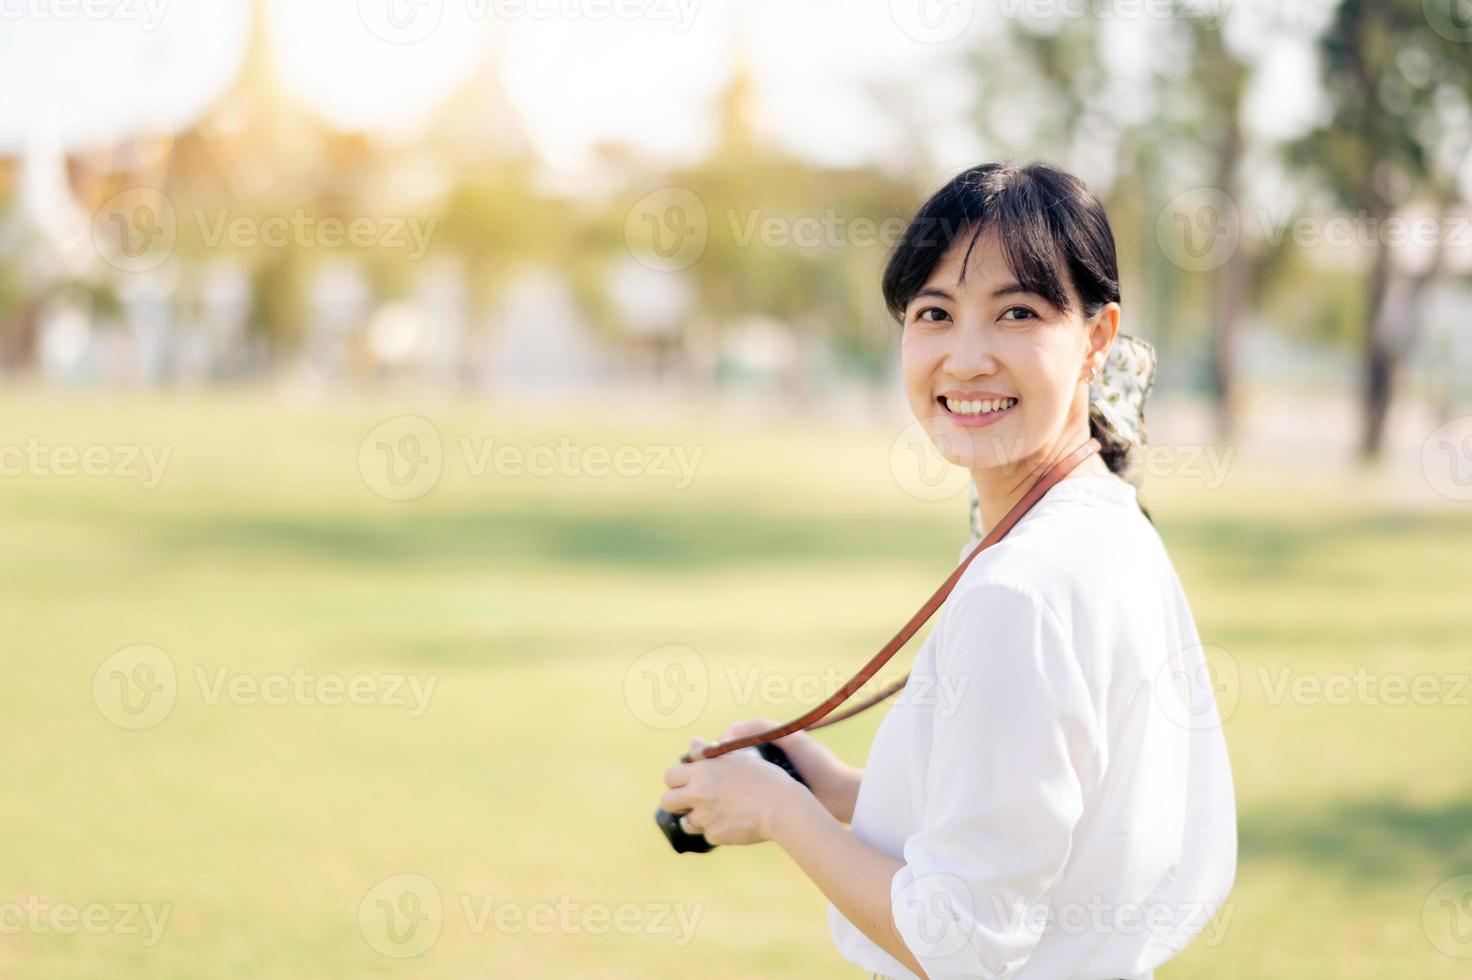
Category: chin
<point>974,450</point>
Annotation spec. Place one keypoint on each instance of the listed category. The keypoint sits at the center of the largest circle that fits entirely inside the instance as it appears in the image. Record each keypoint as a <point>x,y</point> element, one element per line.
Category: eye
<point>920,315</point>
<point>1026,314</point>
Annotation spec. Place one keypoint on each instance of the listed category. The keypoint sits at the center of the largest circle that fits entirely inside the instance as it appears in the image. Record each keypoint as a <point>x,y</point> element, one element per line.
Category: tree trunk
<point>1380,358</point>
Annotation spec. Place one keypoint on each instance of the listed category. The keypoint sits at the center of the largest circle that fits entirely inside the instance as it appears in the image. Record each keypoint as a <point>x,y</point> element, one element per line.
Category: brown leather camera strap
<point>811,720</point>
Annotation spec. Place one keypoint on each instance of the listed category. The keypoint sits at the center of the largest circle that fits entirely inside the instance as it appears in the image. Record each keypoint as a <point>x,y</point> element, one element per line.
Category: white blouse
<point>1054,774</point>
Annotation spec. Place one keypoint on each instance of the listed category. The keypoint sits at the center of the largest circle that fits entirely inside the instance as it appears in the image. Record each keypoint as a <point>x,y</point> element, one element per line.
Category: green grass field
<point>278,836</point>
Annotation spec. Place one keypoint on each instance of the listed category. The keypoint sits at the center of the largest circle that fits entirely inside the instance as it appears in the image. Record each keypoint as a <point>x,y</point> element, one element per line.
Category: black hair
<point>1052,231</point>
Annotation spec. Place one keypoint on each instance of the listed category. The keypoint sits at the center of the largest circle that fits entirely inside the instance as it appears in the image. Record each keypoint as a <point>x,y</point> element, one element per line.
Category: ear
<point>1102,330</point>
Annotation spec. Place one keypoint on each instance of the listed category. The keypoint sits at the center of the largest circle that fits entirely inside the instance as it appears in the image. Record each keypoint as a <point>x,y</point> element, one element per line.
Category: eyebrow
<point>1007,289</point>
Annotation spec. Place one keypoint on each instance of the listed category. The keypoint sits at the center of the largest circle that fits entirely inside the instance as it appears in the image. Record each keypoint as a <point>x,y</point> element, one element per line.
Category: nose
<point>971,354</point>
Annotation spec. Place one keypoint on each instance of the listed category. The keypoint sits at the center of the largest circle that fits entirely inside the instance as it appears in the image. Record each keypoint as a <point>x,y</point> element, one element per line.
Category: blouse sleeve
<point>1003,787</point>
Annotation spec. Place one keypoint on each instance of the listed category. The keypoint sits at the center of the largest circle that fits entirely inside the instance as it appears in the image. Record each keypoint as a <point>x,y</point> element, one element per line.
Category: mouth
<point>980,411</point>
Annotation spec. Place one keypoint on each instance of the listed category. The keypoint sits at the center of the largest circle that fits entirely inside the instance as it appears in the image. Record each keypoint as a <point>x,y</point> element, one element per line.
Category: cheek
<point>917,363</point>
<point>1042,384</point>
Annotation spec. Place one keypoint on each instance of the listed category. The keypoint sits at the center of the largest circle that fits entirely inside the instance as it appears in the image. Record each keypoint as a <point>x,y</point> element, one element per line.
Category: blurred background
<point>418,417</point>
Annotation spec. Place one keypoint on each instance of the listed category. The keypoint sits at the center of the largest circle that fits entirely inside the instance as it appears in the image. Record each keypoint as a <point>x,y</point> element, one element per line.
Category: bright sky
<point>645,72</point>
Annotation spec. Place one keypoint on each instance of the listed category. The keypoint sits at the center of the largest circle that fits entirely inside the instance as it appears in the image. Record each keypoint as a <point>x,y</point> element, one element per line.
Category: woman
<point>1068,810</point>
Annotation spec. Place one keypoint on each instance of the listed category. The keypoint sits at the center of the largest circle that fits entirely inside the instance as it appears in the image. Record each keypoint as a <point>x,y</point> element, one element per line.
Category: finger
<point>748,727</point>
<point>676,801</point>
<point>677,775</point>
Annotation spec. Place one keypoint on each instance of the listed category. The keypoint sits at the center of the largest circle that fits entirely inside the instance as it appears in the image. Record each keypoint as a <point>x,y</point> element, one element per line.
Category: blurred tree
<point>1176,114</point>
<point>1398,132</point>
<point>1219,81</point>
<point>770,251</point>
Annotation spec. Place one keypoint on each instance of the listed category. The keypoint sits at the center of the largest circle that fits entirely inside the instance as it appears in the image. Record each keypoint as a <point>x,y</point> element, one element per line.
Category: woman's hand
<point>834,782</point>
<point>732,798</point>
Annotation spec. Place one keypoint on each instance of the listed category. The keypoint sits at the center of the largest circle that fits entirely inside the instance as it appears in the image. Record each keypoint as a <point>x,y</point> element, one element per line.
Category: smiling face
<point>996,374</point>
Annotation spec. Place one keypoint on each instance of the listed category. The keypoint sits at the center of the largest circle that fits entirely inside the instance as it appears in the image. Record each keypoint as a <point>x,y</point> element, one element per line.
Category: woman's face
<point>995,374</point>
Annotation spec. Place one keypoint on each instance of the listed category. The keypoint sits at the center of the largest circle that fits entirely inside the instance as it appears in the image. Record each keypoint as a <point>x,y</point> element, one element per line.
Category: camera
<point>696,843</point>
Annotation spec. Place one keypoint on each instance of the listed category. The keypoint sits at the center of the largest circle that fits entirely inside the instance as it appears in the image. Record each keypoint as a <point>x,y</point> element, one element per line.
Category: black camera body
<point>696,843</point>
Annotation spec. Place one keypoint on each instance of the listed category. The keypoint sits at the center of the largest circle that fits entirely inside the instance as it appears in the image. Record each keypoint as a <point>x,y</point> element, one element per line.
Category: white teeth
<point>979,407</point>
